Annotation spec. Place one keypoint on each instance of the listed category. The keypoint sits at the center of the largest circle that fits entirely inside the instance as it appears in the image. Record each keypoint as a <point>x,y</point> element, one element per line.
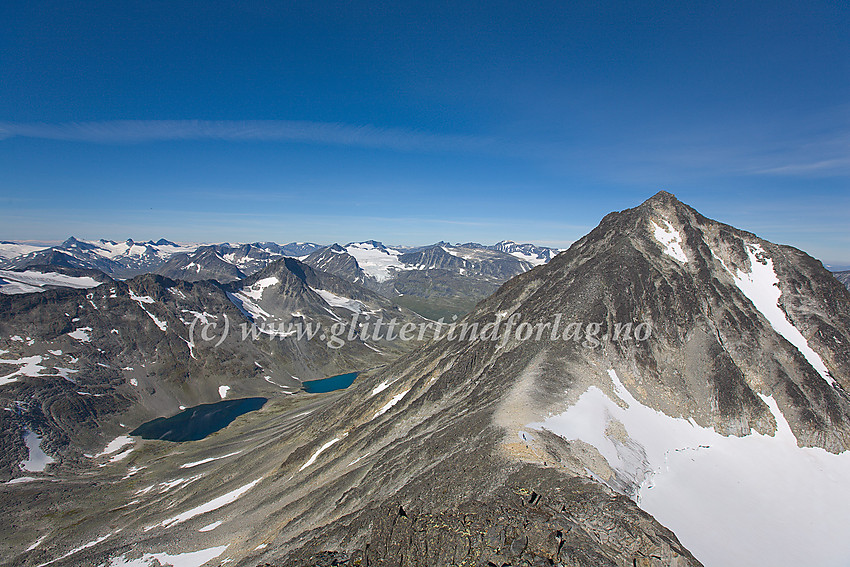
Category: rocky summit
<point>670,390</point>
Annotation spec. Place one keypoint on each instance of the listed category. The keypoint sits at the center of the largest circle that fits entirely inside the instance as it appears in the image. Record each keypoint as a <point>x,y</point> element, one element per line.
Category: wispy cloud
<point>810,146</point>
<point>326,133</point>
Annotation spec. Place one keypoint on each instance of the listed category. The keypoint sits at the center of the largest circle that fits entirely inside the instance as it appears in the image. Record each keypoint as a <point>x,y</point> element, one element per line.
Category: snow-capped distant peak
<point>13,249</point>
<point>375,259</point>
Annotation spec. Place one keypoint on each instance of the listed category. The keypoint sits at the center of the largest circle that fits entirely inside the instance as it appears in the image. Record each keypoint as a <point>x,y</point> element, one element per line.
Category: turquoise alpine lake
<point>197,422</point>
<point>339,382</point>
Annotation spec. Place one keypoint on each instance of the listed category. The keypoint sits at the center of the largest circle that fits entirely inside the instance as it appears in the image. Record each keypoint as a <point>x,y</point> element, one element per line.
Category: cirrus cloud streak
<point>326,133</point>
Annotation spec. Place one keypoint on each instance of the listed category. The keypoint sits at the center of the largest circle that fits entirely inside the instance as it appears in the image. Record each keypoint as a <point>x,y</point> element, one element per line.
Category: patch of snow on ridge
<point>81,334</point>
<point>255,290</point>
<point>213,504</point>
<point>376,262</point>
<point>115,445</point>
<point>761,286</point>
<point>336,301</point>
<point>380,388</point>
<point>207,460</point>
<point>395,399</point>
<point>163,326</point>
<point>141,298</point>
<point>188,559</point>
<point>247,307</point>
<point>31,367</point>
<point>753,500</point>
<point>671,240</point>
<point>315,456</point>
<point>222,391</point>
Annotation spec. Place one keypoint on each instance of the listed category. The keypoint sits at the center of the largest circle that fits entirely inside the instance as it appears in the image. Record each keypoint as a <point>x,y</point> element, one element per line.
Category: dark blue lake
<point>197,422</point>
<point>338,382</point>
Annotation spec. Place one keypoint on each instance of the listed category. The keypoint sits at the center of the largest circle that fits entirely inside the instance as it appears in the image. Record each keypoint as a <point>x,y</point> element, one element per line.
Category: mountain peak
<point>664,197</point>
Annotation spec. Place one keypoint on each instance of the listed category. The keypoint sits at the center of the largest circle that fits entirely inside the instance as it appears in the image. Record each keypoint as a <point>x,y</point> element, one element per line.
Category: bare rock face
<point>568,523</point>
<point>205,263</point>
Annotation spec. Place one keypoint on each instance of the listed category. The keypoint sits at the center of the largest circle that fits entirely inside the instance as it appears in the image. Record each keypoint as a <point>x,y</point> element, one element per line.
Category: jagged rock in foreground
<point>535,519</point>
<point>525,452</point>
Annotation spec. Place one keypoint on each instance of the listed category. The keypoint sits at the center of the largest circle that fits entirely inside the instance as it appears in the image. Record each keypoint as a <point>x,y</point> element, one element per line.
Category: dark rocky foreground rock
<point>532,521</point>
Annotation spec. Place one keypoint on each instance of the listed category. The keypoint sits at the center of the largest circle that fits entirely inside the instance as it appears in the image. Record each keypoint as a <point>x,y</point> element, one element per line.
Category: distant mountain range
<point>129,258</point>
<point>438,280</point>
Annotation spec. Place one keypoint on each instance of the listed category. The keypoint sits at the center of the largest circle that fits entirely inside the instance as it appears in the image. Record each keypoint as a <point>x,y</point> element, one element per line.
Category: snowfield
<point>115,445</point>
<point>671,240</point>
<point>31,281</point>
<point>380,263</point>
<point>30,367</point>
<point>189,559</point>
<point>732,501</point>
<point>10,250</point>
<point>210,506</point>
<point>315,455</point>
<point>761,286</point>
<point>336,301</point>
<point>255,291</point>
<point>393,401</point>
<point>247,306</point>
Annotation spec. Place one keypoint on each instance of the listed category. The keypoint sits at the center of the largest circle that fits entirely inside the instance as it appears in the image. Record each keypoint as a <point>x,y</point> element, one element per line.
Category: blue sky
<point>412,122</point>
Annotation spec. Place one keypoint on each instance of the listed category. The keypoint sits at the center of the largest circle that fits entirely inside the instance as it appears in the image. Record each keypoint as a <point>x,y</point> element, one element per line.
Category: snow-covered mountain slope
<point>755,491</point>
<point>376,260</point>
<point>129,258</point>
<point>289,291</point>
<point>205,263</point>
<point>843,277</point>
<point>535,255</point>
<point>436,280</point>
<point>29,281</point>
<point>14,249</point>
<point>118,259</point>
